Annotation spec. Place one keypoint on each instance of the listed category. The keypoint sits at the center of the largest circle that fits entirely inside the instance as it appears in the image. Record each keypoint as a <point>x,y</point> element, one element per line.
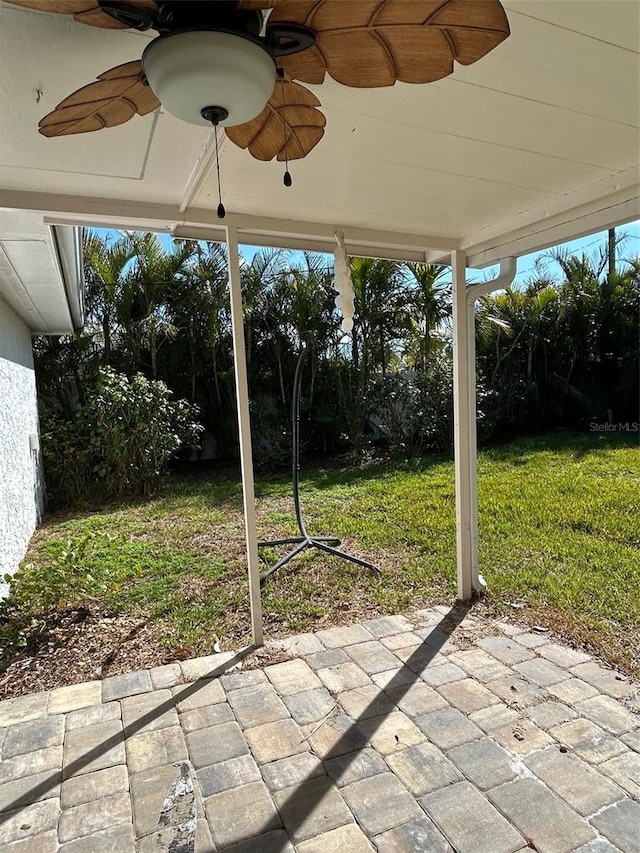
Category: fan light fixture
<point>235,63</point>
<point>208,76</point>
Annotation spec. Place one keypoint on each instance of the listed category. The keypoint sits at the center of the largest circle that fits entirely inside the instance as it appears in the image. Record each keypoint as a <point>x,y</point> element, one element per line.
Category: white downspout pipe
<point>464,405</point>
<point>505,277</point>
<point>244,428</point>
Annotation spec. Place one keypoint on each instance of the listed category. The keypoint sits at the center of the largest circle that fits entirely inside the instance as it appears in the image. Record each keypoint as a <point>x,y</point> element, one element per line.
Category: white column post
<point>244,427</point>
<point>464,434</point>
<point>472,399</point>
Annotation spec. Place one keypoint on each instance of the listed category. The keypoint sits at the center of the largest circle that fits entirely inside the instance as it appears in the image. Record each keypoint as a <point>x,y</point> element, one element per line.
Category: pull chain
<point>287,180</point>
<point>221,211</point>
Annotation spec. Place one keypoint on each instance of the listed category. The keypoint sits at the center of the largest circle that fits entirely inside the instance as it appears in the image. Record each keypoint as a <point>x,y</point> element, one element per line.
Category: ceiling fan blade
<point>374,43</point>
<point>84,11</point>
<point>257,4</point>
<point>288,128</point>
<point>117,96</point>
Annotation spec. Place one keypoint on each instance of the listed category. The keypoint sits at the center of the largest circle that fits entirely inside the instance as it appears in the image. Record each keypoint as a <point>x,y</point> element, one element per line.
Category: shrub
<point>119,443</point>
<point>414,410</point>
<point>66,581</point>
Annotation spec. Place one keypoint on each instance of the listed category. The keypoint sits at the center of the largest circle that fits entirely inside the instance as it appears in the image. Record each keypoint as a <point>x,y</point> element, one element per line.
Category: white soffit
<point>537,142</point>
<point>31,279</point>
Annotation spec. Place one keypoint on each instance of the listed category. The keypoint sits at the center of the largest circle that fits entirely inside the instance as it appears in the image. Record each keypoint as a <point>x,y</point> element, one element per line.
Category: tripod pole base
<point>302,543</point>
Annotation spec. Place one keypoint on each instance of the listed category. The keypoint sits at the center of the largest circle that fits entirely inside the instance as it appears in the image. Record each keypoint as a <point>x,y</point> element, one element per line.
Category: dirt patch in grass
<point>81,646</point>
<point>558,539</point>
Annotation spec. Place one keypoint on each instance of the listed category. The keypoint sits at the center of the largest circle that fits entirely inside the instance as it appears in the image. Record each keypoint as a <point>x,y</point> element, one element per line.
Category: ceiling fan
<point>233,63</point>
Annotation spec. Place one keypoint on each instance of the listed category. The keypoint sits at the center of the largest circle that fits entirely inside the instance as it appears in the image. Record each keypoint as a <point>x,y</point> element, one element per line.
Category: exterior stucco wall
<point>21,492</point>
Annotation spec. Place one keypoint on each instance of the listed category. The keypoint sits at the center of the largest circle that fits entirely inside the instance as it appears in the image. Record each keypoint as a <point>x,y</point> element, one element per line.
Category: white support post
<point>244,427</point>
<point>464,429</point>
<point>472,401</point>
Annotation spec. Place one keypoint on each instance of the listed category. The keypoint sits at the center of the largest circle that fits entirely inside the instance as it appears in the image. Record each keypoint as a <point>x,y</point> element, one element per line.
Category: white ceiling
<point>536,143</point>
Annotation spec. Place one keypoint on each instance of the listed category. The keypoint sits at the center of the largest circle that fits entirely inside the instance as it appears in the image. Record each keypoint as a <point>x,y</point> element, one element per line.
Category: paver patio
<point>440,731</point>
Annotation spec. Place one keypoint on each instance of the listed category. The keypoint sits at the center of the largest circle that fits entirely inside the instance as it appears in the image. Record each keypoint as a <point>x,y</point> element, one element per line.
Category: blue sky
<point>630,247</point>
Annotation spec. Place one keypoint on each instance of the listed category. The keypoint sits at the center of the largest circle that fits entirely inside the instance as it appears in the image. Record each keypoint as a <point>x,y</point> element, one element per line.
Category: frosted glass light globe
<point>188,71</point>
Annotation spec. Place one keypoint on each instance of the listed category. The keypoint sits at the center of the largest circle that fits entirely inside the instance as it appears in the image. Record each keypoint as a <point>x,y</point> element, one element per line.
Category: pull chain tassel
<point>221,211</point>
<point>287,179</point>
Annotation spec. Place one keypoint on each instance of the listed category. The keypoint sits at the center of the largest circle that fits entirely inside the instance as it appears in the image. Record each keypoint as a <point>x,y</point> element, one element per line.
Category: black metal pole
<point>304,541</point>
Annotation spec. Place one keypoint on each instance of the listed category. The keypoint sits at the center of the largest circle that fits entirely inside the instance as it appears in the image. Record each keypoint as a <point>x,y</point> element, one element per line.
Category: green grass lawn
<point>559,538</point>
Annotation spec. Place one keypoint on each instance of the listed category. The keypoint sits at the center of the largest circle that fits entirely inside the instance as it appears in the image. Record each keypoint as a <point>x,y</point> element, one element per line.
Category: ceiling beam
<point>601,205</point>
<point>203,224</point>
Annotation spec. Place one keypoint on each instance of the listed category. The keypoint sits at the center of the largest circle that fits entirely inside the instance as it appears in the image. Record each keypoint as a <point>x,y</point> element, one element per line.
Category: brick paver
<point>619,823</point>
<point>291,771</point>
<point>312,808</point>
<point>75,696</point>
<point>470,822</point>
<point>397,735</point>
<point>343,676</point>
<point>93,786</point>
<point>548,714</point>
<point>337,735</point>
<point>416,699</point>
<point>129,684</point>
<point>93,748</point>
<point>609,714</point>
<point>517,691</point>
<point>587,740</point>
<point>275,740</point>
<point>522,737</point>
<point>541,816</point>
<point>91,817</point>
<point>506,650</point>
<point>448,727</point>
<point>255,706</point>
<point>293,676</point>
<point>218,743</point>
<point>35,734</point>
<point>423,768</point>
<point>380,803</point>
<point>625,771</point>
<point>373,657</point>
<point>149,790</point>
<point>366,702</point>
<point>392,732</point>
<point>228,774</point>
<point>420,834</point>
<point>241,813</point>
<point>153,749</point>
<point>468,695</point>
<point>605,680</point>
<point>354,766</point>
<point>484,762</point>
<point>579,785</point>
<point>309,706</point>
<point>348,837</point>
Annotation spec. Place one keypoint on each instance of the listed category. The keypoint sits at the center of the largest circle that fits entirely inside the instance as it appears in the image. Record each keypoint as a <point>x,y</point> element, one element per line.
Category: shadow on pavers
<point>301,803</point>
<point>76,766</point>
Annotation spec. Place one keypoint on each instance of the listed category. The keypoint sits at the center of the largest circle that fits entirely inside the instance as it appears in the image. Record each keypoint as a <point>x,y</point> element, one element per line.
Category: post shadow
<point>299,804</point>
<point>35,793</point>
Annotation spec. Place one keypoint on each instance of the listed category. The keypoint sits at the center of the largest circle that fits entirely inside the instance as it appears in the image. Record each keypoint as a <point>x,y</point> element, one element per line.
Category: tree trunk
<point>154,354</point>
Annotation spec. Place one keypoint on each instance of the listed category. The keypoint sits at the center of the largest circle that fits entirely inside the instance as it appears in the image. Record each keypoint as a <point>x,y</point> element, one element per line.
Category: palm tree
<point>381,318</point>
<point>430,301</point>
<point>105,271</point>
